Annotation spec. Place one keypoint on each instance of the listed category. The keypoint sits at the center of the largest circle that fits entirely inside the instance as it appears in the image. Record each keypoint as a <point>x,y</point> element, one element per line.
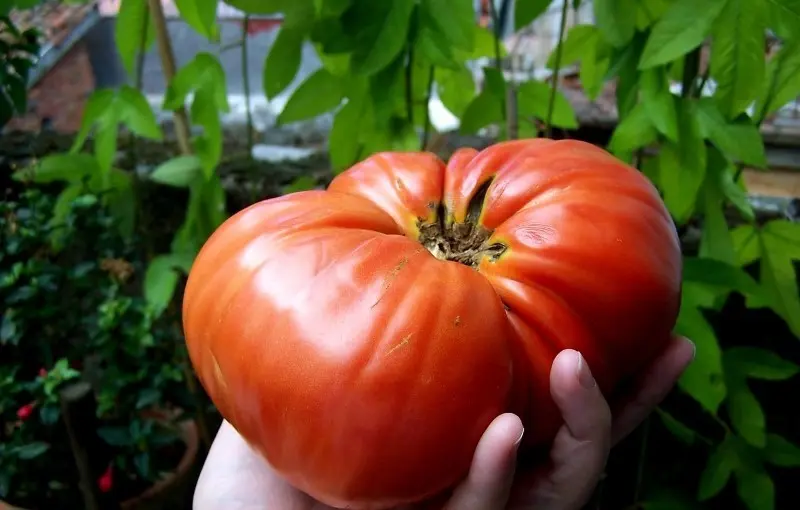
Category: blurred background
<point>131,129</point>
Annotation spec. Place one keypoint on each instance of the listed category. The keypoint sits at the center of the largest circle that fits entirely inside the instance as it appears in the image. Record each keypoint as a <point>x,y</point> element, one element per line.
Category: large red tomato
<point>362,338</point>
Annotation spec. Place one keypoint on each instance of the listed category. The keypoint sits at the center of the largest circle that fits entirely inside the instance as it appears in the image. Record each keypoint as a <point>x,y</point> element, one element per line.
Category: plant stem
<point>556,69</point>
<point>426,133</point>
<point>410,85</point>
<point>246,83</point>
<point>498,63</point>
<point>691,68</point>
<point>512,120</point>
<point>167,56</point>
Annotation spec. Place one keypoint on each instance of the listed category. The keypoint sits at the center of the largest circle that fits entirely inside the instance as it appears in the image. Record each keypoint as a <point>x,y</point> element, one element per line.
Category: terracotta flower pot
<point>171,491</point>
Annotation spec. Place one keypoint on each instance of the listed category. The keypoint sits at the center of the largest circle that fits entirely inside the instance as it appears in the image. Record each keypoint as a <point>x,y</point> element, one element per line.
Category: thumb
<point>489,481</point>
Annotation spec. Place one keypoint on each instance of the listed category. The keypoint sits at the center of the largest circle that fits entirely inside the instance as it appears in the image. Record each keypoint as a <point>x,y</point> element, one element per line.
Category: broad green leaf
<point>456,89</point>
<point>61,209</point>
<point>658,101</point>
<point>525,11</point>
<point>302,183</point>
<point>650,11</point>
<point>781,452</point>
<point>678,429</point>
<point>331,7</point>
<point>594,66</point>
<point>682,166</point>
<point>737,55</point>
<point>262,6</point>
<point>715,241</point>
<point>719,274</point>
<point>160,280</point>
<point>577,42</point>
<point>533,99</point>
<point>344,137</point>
<point>683,27</point>
<point>757,363</point>
<point>133,31</point>
<point>719,468</point>
<point>740,139</point>
<point>783,80</point>
<point>201,15</point>
<point>484,46</point>
<point>746,244</point>
<point>736,193</point>
<point>204,71</point>
<point>755,487</point>
<point>634,132</point>
<point>390,40</point>
<point>180,171</point>
<point>780,244</point>
<point>455,19</point>
<point>283,60</point>
<point>703,379</point>
<point>789,11</point>
<point>746,413</point>
<point>136,114</point>
<point>31,450</point>
<point>317,94</point>
<point>432,45</point>
<point>58,167</point>
<point>97,106</point>
<point>616,19</point>
<point>628,75</point>
<point>485,109</point>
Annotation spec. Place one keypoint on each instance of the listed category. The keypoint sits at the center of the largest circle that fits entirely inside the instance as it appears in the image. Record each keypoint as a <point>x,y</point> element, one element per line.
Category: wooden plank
<point>774,183</point>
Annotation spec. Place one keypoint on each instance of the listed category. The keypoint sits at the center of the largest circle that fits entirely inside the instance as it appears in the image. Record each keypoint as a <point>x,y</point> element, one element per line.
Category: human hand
<point>234,477</point>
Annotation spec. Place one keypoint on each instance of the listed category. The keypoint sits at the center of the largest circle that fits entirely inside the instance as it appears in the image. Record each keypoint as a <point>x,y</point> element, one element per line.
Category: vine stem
<point>167,56</point>
<point>498,62</point>
<point>556,69</point>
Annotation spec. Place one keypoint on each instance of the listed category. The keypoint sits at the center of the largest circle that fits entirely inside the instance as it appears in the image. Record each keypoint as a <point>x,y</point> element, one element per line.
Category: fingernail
<point>584,374</point>
<point>519,439</point>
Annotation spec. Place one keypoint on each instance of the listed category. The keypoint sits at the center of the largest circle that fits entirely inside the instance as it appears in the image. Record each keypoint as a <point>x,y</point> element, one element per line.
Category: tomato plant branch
<point>556,69</point>
<point>246,84</point>
<point>167,56</point>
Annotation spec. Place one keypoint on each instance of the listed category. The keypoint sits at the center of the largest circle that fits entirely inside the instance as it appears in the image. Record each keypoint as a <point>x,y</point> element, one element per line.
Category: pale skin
<point>234,477</point>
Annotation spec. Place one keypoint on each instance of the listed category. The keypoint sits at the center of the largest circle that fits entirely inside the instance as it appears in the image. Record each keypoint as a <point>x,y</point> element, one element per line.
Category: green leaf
<point>317,94</point>
<point>594,66</point>
<point>283,60</point>
<point>485,109</point>
<point>133,31</point>
<point>780,244</point>
<point>58,167</point>
<point>148,397</point>
<point>755,487</point>
<point>390,40</point>
<point>682,166</point>
<point>343,142</point>
<point>97,107</point>
<point>201,15</point>
<point>737,55</point>
<point>525,11</point>
<point>678,429</point>
<point>703,379</point>
<point>115,436</point>
<point>788,10</point>
<point>719,274</point>
<point>719,468</point>
<point>616,19</point>
<point>32,450</point>
<point>484,46</point>
<point>759,363</point>
<point>180,171</point>
<point>781,452</point>
<point>746,413</point>
<point>160,281</point>
<point>533,99</point>
<point>658,101</point>
<point>715,241</point>
<point>634,132</point>
<point>302,183</point>
<point>577,42</point>
<point>456,89</point>
<point>740,139</point>
<point>746,244</point>
<point>783,80</point>
<point>683,27</point>
<point>455,19</point>
<point>135,112</point>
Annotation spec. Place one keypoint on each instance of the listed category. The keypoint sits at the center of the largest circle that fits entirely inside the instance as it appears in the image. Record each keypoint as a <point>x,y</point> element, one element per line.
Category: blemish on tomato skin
<point>457,321</point>
<point>400,345</point>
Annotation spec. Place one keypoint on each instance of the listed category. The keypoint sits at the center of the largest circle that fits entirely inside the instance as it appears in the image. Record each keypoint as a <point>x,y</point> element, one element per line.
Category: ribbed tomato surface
<point>363,337</point>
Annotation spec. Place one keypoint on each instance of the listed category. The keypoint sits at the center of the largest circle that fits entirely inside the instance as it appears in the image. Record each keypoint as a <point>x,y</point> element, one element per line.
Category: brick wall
<point>60,95</point>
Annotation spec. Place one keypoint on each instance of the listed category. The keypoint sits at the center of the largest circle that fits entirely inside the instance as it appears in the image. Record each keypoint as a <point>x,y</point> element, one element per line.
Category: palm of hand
<point>236,478</point>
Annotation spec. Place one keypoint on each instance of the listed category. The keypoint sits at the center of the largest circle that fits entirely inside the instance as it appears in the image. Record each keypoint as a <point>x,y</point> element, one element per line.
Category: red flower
<point>25,412</point>
<point>42,373</point>
<point>106,480</point>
